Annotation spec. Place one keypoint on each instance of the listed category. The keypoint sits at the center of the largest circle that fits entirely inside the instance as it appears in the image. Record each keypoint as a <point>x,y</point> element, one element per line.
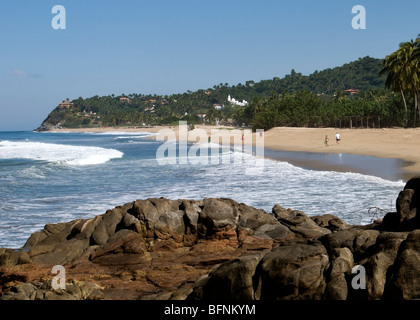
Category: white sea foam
<point>57,153</point>
<point>129,137</point>
<point>127,133</point>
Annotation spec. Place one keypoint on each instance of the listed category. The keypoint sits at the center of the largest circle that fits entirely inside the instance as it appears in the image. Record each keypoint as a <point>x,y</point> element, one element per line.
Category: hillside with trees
<point>319,99</point>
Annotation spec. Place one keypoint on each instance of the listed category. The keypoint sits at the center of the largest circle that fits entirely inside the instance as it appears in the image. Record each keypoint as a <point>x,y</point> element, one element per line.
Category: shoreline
<point>385,168</point>
<point>398,144</point>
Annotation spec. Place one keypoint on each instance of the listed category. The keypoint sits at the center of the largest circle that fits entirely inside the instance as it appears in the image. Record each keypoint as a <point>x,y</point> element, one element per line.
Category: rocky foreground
<point>160,249</point>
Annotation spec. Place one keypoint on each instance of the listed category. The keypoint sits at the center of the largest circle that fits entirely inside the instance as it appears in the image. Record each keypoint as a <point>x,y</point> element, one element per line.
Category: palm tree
<point>416,57</point>
<point>393,65</point>
<point>411,50</point>
<point>403,74</point>
<point>339,96</point>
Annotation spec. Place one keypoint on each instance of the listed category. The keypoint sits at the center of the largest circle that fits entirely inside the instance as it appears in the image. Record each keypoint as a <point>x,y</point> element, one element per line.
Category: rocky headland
<point>219,249</point>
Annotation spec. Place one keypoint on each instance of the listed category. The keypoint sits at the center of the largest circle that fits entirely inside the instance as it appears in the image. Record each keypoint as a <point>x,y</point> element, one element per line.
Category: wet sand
<point>389,153</point>
<point>386,168</point>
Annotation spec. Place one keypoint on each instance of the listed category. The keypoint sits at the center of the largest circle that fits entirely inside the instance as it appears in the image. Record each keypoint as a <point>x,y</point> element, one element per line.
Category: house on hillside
<point>65,104</point>
<point>351,91</point>
<point>125,99</point>
<point>236,102</point>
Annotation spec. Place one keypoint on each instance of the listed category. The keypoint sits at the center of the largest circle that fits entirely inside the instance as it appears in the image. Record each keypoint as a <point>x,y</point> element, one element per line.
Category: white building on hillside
<point>238,103</point>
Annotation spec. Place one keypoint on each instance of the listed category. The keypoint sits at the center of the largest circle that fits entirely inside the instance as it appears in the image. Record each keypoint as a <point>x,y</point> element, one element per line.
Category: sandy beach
<point>396,143</point>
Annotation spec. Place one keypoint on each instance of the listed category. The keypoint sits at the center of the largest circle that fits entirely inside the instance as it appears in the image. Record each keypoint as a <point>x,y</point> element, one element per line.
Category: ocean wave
<point>32,172</point>
<point>57,153</point>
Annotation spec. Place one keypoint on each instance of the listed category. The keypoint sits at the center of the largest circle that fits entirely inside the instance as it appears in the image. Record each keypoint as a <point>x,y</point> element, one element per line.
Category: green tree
<point>403,73</point>
<point>397,80</point>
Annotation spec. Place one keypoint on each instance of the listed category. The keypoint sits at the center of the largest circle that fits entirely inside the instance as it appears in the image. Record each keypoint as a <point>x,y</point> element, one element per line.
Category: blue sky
<point>165,47</point>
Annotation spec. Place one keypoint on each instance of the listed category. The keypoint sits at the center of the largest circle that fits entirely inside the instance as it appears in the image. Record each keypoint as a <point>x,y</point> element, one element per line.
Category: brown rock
<point>257,243</point>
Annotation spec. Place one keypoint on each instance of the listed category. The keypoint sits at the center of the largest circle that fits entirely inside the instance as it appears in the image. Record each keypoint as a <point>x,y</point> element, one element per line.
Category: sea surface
<point>58,177</point>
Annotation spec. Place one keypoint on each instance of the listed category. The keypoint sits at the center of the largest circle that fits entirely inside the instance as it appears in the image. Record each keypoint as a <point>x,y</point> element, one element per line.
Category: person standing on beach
<point>326,141</point>
<point>337,138</point>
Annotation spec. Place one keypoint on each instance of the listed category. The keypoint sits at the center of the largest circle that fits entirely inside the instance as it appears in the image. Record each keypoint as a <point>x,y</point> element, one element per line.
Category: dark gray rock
<point>330,222</point>
<point>124,241</point>
<point>60,253</point>
<point>292,272</point>
<point>218,215</point>
<point>342,263</point>
<point>378,264</point>
<point>403,281</point>
<point>253,218</point>
<point>356,239</point>
<point>233,280</point>
<point>298,222</point>
<point>407,205</point>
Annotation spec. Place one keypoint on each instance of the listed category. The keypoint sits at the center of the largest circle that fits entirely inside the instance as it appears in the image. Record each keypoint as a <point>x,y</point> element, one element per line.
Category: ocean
<point>58,177</point>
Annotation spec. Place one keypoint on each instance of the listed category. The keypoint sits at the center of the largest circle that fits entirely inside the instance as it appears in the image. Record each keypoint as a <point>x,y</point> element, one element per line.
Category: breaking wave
<point>57,153</point>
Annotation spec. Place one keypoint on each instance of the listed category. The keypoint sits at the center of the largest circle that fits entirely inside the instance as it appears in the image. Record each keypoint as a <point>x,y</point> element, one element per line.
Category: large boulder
<point>330,222</point>
<point>382,258</point>
<point>160,218</point>
<point>403,281</point>
<point>218,215</point>
<point>299,223</point>
<point>357,240</point>
<point>342,263</point>
<point>123,248</point>
<point>59,253</point>
<point>233,280</point>
<point>407,205</point>
<point>292,272</point>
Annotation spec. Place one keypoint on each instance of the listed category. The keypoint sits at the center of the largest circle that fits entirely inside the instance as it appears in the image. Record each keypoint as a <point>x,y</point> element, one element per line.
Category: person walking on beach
<point>326,141</point>
<point>337,138</point>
